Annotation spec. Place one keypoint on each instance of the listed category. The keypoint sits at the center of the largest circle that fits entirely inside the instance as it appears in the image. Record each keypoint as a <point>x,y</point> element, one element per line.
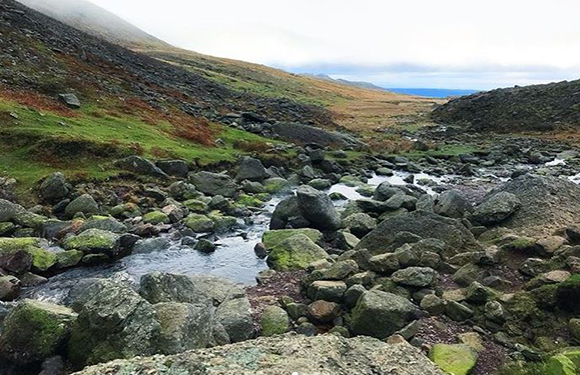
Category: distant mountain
<point>432,93</point>
<point>86,16</point>
<point>537,108</point>
<point>359,84</point>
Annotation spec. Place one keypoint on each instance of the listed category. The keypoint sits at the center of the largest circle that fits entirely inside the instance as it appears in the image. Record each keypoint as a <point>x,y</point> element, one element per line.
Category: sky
<point>457,44</point>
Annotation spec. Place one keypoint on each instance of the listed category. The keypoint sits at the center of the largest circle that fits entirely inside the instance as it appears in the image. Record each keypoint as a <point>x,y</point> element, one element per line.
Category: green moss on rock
<point>455,359</point>
<point>156,217</point>
<point>295,253</point>
<point>93,241</point>
<point>274,321</point>
<point>275,237</point>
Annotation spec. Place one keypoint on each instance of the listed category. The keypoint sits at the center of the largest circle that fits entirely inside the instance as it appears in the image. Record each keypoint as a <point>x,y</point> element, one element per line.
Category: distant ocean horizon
<point>432,93</point>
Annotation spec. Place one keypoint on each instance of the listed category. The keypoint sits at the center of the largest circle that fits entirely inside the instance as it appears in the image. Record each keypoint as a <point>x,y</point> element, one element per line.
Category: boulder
<point>214,183</point>
<point>323,311</point>
<point>305,134</point>
<point>274,321</point>
<point>251,169</point>
<point>496,208</point>
<point>139,165</point>
<point>235,316</point>
<point>35,331</point>
<point>273,238</point>
<point>106,223</point>
<point>451,232</point>
<point>380,314</point>
<point>157,287</point>
<point>94,241</point>
<point>54,187</point>
<point>184,326</point>
<point>329,354</point>
<point>177,168</point>
<point>452,203</point>
<point>113,322</point>
<point>70,100</point>
<point>457,359</point>
<point>317,208</point>
<point>295,253</point>
<point>13,255</point>
<point>359,224</point>
<point>286,210</point>
<point>415,276</point>
<point>84,204</point>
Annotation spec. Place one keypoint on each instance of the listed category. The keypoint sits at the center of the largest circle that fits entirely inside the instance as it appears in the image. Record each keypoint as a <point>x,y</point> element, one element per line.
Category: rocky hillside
<point>87,16</point>
<point>530,108</point>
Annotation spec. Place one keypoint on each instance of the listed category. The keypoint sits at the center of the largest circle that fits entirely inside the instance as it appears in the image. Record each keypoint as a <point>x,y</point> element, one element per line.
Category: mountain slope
<point>353,106</point>
<point>531,108</point>
<point>95,20</point>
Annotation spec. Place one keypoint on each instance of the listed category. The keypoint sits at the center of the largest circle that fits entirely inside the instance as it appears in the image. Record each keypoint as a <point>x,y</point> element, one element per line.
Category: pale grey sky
<point>403,43</point>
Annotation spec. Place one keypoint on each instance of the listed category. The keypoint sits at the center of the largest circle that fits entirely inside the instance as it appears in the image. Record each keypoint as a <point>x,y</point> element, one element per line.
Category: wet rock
<point>422,224</point>
<point>284,212</point>
<point>42,260</point>
<point>139,165</point>
<point>317,208</point>
<point>274,321</point>
<point>251,169</point>
<point>83,204</point>
<point>184,326</point>
<point>320,184</point>
<point>295,253</point>
<point>380,314</point>
<point>205,246</point>
<point>149,245</point>
<point>453,203</point>
<point>9,288</point>
<point>31,280</point>
<point>34,331</point>
<point>496,208</point>
<point>70,258</point>
<point>54,187</point>
<point>214,183</point>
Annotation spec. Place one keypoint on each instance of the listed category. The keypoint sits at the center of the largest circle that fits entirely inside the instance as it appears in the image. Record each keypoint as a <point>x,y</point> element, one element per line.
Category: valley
<point>168,212</point>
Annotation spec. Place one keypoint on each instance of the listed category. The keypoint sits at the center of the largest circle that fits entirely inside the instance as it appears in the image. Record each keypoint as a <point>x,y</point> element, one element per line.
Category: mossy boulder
<point>6,228</point>
<point>69,258</point>
<point>560,365</point>
<point>105,223</point>
<point>196,205</point>
<point>222,223</point>
<point>274,321</point>
<point>273,238</point>
<point>247,200</point>
<point>276,185</point>
<point>42,259</point>
<point>29,219</point>
<point>295,253</point>
<point>199,223</point>
<point>94,241</point>
<point>83,204</point>
<point>156,217</point>
<point>34,331</point>
<point>457,359</point>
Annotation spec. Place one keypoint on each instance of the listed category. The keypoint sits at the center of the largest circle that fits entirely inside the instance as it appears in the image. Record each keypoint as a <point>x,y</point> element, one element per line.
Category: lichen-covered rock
<point>295,253</point>
<point>496,208</point>
<point>285,354</point>
<point>380,314</point>
<point>42,260</point>
<point>184,326</point>
<point>359,224</point>
<point>34,331</point>
<point>104,223</point>
<point>156,217</point>
<point>455,359</point>
<point>8,210</point>
<point>452,203</point>
<point>94,241</point>
<point>415,276</point>
<point>113,322</point>
<point>273,238</point>
<point>199,223</point>
<point>274,321</point>
<point>235,316</point>
<point>54,187</point>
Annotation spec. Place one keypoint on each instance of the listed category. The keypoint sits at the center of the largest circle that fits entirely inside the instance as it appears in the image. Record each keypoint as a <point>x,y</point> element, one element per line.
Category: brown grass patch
<point>37,102</point>
<point>251,146</point>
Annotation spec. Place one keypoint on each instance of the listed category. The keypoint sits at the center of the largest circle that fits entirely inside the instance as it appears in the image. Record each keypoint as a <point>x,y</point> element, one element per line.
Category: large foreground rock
<point>452,232</point>
<point>285,354</point>
<point>496,208</point>
<point>547,204</point>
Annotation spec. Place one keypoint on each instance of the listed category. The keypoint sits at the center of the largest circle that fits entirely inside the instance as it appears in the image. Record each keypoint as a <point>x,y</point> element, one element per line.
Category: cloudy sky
<point>402,43</point>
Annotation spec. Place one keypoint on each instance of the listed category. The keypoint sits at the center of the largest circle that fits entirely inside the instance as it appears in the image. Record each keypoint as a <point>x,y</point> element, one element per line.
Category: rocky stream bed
<point>469,259</point>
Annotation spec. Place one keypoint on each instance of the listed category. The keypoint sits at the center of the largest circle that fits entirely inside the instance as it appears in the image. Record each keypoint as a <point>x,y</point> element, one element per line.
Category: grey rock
<point>83,204</point>
<point>139,165</point>
<point>177,168</point>
<point>415,276</point>
<point>453,203</point>
<point>317,208</point>
<point>184,326</point>
<point>214,183</point>
<point>54,187</point>
<point>251,169</point>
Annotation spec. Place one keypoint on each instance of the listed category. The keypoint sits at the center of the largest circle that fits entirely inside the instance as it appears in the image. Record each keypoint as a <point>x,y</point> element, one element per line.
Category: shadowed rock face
<point>285,354</point>
<point>452,232</point>
<point>547,204</point>
<point>538,107</point>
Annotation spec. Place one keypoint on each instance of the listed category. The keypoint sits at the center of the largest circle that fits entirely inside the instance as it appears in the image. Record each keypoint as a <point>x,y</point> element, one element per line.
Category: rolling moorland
<point>168,212</point>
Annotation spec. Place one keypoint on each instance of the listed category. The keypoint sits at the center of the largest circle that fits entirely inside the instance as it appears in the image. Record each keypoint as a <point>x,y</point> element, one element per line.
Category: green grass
<point>23,143</point>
